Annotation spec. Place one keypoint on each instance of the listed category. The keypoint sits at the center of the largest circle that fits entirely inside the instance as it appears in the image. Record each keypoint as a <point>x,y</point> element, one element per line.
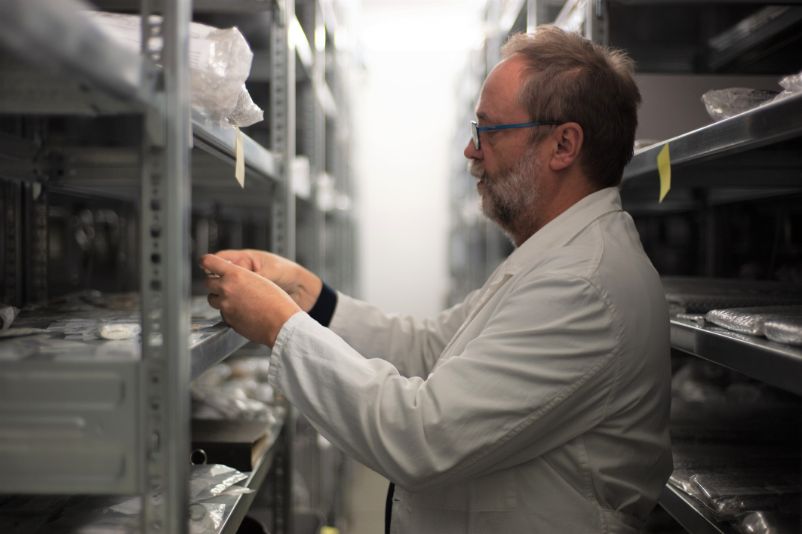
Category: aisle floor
<point>364,500</point>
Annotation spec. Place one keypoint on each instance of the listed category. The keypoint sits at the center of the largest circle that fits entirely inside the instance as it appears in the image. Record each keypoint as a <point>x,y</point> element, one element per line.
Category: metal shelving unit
<point>773,363</point>
<point>220,141</point>
<point>690,514</point>
<point>751,158</point>
<point>236,512</point>
<point>769,124</point>
<point>113,417</point>
<point>98,71</point>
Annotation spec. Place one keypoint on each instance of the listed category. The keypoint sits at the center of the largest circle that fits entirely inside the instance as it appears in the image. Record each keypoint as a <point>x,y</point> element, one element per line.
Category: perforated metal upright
<point>282,141</point>
<point>165,200</point>
<point>282,126</point>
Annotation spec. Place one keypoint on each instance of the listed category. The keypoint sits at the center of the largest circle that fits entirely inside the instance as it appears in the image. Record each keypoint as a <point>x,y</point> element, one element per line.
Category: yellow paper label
<point>329,530</point>
<point>239,164</point>
<point>664,170</point>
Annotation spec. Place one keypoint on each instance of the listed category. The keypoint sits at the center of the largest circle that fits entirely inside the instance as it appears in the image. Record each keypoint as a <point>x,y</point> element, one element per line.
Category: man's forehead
<point>500,90</point>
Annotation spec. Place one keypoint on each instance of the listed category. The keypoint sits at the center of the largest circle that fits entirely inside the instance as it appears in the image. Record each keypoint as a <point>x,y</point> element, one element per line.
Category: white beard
<point>510,197</point>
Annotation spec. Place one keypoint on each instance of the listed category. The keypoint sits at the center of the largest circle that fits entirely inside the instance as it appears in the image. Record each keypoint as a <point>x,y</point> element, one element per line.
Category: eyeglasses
<point>476,129</point>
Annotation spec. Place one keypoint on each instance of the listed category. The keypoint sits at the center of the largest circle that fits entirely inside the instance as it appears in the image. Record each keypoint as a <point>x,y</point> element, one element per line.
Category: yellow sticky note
<point>664,170</point>
<point>239,164</point>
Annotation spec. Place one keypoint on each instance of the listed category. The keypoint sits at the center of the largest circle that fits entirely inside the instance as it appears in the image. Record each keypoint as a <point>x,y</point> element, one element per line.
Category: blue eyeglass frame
<point>476,129</point>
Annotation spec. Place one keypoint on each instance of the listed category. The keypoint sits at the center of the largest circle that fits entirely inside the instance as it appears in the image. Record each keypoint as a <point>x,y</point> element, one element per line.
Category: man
<point>539,404</point>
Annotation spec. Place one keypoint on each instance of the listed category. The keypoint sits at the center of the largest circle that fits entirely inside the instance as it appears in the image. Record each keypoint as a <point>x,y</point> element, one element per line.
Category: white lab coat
<point>539,404</point>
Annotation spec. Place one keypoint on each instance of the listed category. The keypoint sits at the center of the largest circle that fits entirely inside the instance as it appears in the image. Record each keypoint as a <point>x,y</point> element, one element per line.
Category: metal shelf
<point>208,345</point>
<point>101,74</point>
<point>214,345</point>
<point>773,363</point>
<point>199,6</point>
<point>239,508</point>
<point>73,404</point>
<point>767,124</point>
<point>220,141</point>
<point>90,512</point>
<point>305,55</point>
<point>689,513</point>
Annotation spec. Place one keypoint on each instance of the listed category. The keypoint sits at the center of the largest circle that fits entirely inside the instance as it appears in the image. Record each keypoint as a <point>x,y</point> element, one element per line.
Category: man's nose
<point>471,151</point>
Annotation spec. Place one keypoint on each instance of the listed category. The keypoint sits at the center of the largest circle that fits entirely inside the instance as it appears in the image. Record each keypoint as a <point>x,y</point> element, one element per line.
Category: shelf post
<point>282,128</point>
<point>164,257</point>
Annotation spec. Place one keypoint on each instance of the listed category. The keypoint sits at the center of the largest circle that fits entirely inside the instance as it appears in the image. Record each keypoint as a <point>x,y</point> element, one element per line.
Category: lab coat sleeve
<point>411,345</point>
<point>540,374</point>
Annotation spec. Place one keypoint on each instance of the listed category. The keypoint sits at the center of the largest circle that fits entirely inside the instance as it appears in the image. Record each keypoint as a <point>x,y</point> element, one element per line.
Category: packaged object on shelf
<point>725,103</point>
<point>731,494</point>
<point>681,479</point>
<point>751,320</point>
<point>220,62</point>
<point>784,330</point>
<point>235,389</point>
<point>20,332</point>
<point>697,295</point>
<point>730,508</point>
<point>791,84</point>
<point>769,523</point>
<point>227,403</point>
<point>245,112</point>
<point>7,316</point>
<point>206,517</point>
<point>213,480</point>
<point>118,331</point>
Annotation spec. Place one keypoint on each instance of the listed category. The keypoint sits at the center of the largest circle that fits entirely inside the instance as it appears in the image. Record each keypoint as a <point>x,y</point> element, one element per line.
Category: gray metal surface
<point>165,368</point>
<point>752,33</point>
<point>771,123</point>
<point>219,141</point>
<point>69,411</point>
<point>69,426</point>
<point>241,505</point>
<point>198,6</point>
<point>690,514</point>
<point>282,123</point>
<point>37,89</point>
<point>775,364</point>
<point>217,343</point>
<point>55,36</point>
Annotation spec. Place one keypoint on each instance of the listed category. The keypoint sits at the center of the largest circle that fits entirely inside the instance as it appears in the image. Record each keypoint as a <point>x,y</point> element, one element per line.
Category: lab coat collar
<point>563,228</point>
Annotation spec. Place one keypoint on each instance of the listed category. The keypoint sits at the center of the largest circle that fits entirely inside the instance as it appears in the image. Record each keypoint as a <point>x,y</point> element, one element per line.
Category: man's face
<point>508,193</point>
<point>506,163</point>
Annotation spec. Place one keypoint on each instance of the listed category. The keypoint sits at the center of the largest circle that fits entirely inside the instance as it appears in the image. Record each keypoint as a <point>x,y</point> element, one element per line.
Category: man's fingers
<point>215,265</point>
<point>214,301</point>
<point>214,285</point>
<point>238,257</point>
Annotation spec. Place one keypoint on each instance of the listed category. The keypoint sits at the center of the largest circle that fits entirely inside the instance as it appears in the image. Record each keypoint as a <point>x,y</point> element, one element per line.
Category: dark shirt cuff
<point>323,310</point>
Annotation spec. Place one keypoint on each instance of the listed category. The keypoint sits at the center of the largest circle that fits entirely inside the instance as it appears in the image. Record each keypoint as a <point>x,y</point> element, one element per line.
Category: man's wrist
<point>323,309</point>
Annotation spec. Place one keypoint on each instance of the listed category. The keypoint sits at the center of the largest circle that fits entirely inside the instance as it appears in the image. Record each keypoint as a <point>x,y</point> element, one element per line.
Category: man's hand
<point>301,284</point>
<point>252,305</point>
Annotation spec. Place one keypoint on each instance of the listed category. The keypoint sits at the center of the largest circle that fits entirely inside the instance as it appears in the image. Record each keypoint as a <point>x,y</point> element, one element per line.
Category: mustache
<point>475,169</point>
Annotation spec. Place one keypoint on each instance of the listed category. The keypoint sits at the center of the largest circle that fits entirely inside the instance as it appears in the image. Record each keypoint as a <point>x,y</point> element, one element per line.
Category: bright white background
<point>404,118</point>
<point>404,112</point>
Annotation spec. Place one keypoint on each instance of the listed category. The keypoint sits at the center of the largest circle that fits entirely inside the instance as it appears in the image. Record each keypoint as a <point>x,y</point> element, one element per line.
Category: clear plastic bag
<point>751,320</point>
<point>769,523</point>
<point>784,330</point>
<point>791,84</point>
<point>725,103</point>
<point>213,480</point>
<point>219,60</point>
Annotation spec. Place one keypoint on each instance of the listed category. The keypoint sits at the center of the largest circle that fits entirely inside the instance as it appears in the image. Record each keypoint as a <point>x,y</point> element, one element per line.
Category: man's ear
<point>568,139</point>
